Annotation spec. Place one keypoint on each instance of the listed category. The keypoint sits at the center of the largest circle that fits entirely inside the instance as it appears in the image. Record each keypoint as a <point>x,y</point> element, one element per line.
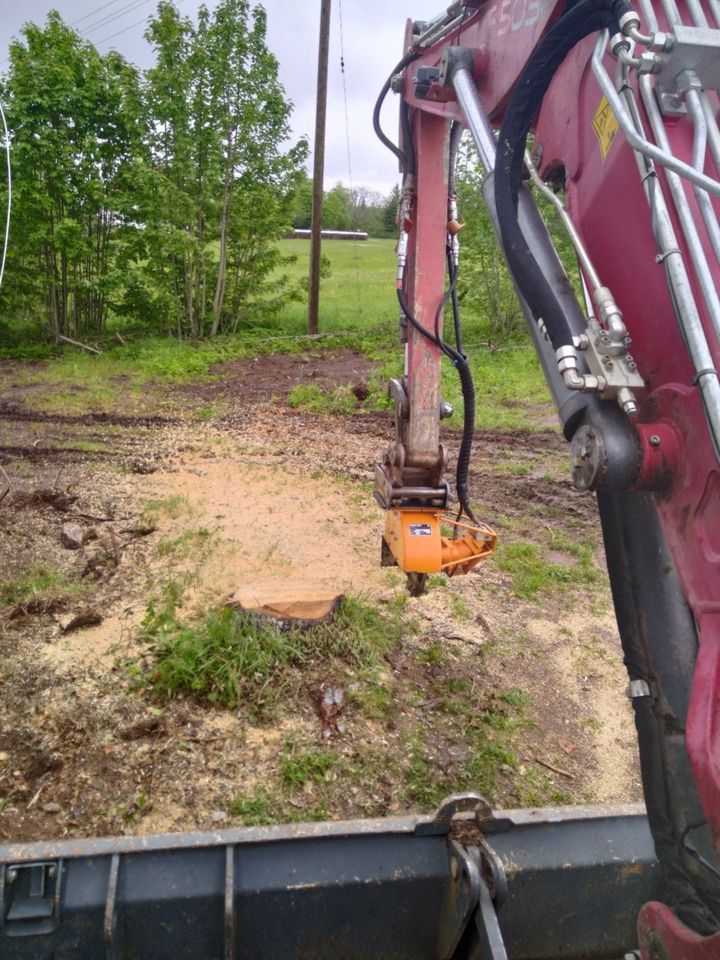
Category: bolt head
<point>654,440</point>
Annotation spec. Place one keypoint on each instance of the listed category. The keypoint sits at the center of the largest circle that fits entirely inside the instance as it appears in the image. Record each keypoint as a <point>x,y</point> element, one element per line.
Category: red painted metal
<point>606,200</point>
<point>661,934</point>
<point>425,284</point>
<point>608,205</point>
<point>660,449</point>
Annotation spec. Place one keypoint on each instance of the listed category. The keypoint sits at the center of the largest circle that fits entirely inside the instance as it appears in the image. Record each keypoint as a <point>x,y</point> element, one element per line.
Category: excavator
<point>609,111</point>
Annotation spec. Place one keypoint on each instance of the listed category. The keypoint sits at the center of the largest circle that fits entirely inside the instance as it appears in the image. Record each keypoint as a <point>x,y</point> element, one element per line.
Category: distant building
<point>327,235</point>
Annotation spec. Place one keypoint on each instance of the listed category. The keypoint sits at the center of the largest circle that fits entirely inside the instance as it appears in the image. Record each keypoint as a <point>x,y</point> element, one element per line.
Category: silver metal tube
<point>637,142</point>
<point>692,100</point>
<point>449,13</point>
<point>570,403</point>
<point>715,9</point>
<point>684,300</point>
<point>430,37</point>
<point>477,121</point>
<point>583,256</point>
<point>679,281</point>
<point>697,13</point>
<point>712,129</point>
<point>672,13</point>
<point>648,14</point>
<point>692,238</point>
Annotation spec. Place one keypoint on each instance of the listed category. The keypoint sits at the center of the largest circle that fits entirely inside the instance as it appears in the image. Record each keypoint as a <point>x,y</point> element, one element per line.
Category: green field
<point>358,310</point>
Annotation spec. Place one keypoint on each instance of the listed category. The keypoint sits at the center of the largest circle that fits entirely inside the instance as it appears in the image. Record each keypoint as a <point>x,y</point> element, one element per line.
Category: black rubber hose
<point>407,139</point>
<point>456,132</point>
<point>467,386</point>
<point>400,66</point>
<point>585,18</point>
<point>468,435</point>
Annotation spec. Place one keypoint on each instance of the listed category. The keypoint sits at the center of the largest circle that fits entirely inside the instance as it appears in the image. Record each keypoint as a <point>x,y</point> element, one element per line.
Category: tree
<point>390,212</point>
<point>337,208</point>
<point>223,184</point>
<point>75,137</point>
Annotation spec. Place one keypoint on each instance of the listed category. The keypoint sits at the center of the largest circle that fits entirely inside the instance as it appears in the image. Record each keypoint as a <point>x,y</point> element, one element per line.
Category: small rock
<point>141,728</point>
<point>144,465</point>
<point>83,618</point>
<point>218,816</point>
<point>361,391</point>
<point>72,536</point>
<point>52,807</point>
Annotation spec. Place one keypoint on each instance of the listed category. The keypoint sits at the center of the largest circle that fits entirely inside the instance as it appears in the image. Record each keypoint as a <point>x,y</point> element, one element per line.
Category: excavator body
<point>622,106</point>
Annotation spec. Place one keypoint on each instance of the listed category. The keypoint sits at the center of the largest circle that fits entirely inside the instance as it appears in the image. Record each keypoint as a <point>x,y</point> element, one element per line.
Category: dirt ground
<point>264,499</point>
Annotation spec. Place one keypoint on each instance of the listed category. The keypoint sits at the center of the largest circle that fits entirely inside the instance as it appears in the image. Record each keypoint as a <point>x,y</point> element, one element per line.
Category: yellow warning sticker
<point>605,126</point>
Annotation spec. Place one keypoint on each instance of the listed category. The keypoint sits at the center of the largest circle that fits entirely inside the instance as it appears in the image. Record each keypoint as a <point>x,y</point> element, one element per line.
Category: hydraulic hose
<point>402,157</point>
<point>585,18</point>
<point>460,362</point>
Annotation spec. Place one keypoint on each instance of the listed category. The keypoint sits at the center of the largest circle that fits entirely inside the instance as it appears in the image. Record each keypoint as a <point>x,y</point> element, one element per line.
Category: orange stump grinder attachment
<point>423,541</point>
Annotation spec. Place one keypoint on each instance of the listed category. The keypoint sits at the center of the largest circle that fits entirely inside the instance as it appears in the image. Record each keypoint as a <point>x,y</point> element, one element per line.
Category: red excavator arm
<point>623,106</point>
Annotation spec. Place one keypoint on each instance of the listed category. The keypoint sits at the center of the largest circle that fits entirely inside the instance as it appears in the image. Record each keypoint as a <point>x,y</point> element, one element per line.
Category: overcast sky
<point>372,33</point>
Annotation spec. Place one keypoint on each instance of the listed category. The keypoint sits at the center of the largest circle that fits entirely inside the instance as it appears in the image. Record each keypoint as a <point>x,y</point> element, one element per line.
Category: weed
<point>515,698</point>
<point>207,411</point>
<point>373,697</point>
<point>263,805</point>
<point>436,580</point>
<point>460,608</point>
<point>173,506</point>
<point>532,573</point>
<point>308,396</point>
<point>35,583</point>
<point>185,545</point>
<point>301,765</point>
<point>254,808</point>
<point>424,786</point>
<point>434,654</point>
<point>232,657</point>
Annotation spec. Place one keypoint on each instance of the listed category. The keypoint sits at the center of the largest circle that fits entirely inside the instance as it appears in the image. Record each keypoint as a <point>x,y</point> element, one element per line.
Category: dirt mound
<point>274,375</point>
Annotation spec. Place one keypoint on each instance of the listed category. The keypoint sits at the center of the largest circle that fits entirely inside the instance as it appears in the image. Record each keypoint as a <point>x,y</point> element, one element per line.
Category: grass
<point>233,659</point>
<point>305,764</point>
<point>36,583</point>
<point>358,309</point>
<point>185,545</point>
<point>486,738</point>
<point>308,396</point>
<point>172,506</point>
<point>533,574</point>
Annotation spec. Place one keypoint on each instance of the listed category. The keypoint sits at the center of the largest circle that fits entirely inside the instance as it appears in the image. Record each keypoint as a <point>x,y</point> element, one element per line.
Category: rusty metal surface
<point>398,889</point>
<point>100,846</point>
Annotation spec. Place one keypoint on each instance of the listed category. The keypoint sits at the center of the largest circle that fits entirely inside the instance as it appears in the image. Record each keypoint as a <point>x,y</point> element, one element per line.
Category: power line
<point>178,3</point>
<point>92,13</point>
<point>112,17</point>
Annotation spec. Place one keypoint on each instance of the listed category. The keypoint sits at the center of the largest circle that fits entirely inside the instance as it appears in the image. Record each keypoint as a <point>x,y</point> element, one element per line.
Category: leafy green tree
<point>223,184</point>
<point>484,283</point>
<point>337,208</point>
<point>75,137</point>
<point>390,211</point>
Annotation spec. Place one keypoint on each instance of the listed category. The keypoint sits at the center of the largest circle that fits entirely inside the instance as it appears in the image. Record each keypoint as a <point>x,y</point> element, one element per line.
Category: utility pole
<point>319,167</point>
